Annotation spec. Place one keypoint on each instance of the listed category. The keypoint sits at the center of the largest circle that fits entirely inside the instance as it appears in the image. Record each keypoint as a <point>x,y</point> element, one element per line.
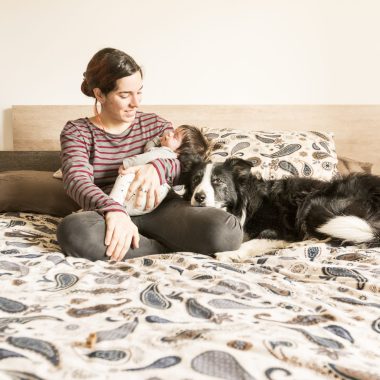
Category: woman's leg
<point>181,227</point>
<point>82,235</point>
<point>174,226</point>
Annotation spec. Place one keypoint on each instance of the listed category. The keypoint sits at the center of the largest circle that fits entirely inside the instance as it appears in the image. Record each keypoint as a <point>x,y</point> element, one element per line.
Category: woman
<point>93,148</point>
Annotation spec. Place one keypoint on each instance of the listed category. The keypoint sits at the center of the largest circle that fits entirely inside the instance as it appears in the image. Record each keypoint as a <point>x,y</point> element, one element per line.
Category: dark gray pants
<point>174,226</point>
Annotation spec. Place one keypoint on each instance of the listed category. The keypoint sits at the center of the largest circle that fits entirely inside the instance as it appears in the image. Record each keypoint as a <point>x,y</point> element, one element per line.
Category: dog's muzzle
<point>199,199</point>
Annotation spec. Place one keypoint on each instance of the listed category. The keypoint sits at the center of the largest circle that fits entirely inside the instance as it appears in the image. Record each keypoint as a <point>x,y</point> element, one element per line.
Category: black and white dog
<point>276,212</point>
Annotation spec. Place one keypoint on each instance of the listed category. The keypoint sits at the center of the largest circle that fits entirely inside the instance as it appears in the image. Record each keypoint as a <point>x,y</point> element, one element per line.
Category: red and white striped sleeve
<point>78,173</point>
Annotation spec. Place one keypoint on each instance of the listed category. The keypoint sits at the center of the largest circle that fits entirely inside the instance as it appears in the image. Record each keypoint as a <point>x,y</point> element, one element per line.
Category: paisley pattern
<point>287,166</point>
<point>219,364</point>
<point>111,355</point>
<point>11,306</point>
<point>151,296</point>
<point>63,281</point>
<point>278,154</point>
<point>340,331</point>
<point>285,151</point>
<point>239,146</point>
<point>310,311</point>
<point>307,170</point>
<point>376,325</point>
<point>44,348</point>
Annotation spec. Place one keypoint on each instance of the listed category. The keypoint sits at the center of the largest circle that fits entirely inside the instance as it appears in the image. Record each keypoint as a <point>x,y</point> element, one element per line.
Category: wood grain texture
<point>356,127</point>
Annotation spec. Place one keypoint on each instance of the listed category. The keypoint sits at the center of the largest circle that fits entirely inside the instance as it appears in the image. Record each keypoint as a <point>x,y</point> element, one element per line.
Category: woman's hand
<point>146,185</point>
<point>121,234</point>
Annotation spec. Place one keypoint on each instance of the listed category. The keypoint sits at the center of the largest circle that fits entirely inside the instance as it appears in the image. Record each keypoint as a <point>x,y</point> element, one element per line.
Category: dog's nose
<point>200,197</point>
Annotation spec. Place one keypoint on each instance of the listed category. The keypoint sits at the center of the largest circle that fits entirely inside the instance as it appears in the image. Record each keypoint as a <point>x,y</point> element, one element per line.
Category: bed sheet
<point>305,312</point>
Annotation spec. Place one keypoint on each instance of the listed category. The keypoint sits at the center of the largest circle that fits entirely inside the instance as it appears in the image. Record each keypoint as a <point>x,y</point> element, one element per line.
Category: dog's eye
<point>196,179</point>
<point>216,181</point>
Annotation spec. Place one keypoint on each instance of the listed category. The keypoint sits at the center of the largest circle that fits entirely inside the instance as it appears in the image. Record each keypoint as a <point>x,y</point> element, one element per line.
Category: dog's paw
<point>228,256</point>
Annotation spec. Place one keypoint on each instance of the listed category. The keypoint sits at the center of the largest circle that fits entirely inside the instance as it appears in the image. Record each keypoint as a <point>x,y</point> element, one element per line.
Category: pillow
<point>348,165</point>
<point>58,174</point>
<point>277,154</point>
<point>34,191</point>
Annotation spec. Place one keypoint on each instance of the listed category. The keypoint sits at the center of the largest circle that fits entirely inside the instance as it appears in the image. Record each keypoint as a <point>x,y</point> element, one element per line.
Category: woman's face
<point>121,104</point>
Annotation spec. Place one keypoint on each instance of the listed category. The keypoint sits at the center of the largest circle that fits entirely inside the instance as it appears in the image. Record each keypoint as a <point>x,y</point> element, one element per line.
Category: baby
<point>185,142</point>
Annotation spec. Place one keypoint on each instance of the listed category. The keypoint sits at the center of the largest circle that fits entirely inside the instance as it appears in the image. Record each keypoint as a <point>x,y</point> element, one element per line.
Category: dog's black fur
<point>290,209</point>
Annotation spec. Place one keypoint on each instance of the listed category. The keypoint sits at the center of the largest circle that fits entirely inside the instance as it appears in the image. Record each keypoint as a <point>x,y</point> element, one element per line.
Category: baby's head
<point>186,139</point>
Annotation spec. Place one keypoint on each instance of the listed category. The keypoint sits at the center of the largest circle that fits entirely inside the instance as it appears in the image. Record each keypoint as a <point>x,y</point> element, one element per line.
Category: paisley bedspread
<point>306,312</point>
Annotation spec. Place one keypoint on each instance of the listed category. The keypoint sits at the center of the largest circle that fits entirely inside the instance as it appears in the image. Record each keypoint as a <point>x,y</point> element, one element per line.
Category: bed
<point>311,311</point>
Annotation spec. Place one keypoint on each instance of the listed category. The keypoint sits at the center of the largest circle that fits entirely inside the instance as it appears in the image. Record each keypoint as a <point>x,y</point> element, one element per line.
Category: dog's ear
<point>235,161</point>
<point>188,163</point>
<point>240,168</point>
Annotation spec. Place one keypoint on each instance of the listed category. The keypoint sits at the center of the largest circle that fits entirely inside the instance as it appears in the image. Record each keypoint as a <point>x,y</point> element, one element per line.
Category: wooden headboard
<point>356,127</point>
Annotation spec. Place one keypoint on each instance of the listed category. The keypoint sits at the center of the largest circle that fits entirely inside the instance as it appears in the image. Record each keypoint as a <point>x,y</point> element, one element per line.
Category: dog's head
<point>218,184</point>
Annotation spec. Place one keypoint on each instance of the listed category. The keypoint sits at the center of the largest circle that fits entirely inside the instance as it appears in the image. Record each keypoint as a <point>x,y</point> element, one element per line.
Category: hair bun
<point>85,88</point>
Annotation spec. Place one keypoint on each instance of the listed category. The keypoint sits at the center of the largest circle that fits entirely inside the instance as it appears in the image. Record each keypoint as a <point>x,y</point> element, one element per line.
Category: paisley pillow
<point>277,154</point>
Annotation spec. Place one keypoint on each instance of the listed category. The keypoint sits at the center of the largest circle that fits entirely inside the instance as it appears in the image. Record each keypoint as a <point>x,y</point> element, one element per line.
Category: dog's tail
<point>345,228</point>
<point>348,228</point>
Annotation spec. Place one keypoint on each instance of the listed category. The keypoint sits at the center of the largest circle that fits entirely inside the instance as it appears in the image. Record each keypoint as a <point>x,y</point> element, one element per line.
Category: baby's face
<point>172,140</point>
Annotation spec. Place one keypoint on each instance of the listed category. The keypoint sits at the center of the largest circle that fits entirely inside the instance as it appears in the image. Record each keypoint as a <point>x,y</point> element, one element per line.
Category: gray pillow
<point>34,191</point>
<point>348,165</point>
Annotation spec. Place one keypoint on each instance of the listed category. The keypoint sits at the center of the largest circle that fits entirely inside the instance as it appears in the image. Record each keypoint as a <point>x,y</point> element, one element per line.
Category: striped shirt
<point>91,158</point>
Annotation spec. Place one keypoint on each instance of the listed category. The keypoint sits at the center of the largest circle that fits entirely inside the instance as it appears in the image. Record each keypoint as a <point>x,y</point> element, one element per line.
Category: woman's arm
<point>78,179</point>
<point>78,173</point>
<point>167,169</point>
<point>151,176</point>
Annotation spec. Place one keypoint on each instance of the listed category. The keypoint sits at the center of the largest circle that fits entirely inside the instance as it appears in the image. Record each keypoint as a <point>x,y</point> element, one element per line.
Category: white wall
<point>193,51</point>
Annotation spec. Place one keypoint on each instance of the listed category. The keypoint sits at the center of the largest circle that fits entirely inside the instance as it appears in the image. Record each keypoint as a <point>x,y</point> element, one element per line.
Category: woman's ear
<point>99,95</point>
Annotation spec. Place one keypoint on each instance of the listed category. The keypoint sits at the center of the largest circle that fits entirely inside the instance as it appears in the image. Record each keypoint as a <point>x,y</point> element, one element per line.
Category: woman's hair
<point>105,68</point>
